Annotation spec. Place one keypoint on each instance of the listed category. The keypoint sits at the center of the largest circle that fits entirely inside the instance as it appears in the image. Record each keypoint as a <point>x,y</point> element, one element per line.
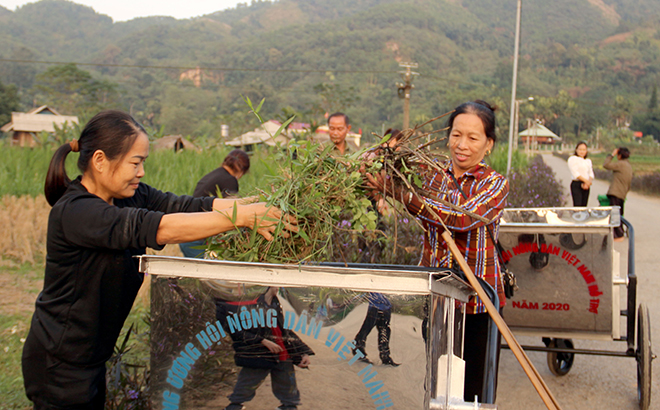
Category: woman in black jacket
<point>99,221</point>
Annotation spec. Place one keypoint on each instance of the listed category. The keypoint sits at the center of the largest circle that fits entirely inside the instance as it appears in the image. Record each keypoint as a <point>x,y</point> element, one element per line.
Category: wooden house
<point>173,142</point>
<point>24,126</point>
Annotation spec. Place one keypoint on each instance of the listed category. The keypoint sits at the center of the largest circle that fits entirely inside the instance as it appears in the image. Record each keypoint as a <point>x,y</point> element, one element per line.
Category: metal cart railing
<point>570,286</point>
<point>428,314</point>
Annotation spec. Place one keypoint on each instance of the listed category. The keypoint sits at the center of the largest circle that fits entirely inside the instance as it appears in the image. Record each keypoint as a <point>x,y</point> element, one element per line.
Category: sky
<point>122,10</point>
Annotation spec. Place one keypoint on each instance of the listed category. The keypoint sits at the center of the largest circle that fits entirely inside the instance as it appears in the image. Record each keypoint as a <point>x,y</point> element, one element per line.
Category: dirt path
<point>596,382</point>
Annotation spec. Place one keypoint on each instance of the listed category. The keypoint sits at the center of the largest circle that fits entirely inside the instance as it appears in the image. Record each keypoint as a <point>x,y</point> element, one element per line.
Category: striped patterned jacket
<point>486,193</point>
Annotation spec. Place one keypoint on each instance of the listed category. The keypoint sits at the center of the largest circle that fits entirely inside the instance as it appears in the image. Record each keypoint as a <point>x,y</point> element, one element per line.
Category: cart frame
<point>560,359</point>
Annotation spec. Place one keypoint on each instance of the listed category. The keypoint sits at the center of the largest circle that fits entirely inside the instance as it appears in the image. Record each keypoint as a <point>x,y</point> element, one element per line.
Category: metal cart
<point>428,314</point>
<point>570,286</point>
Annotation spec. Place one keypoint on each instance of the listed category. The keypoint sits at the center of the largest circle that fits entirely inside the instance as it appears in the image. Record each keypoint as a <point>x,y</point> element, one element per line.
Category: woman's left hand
<point>381,184</point>
<point>266,219</point>
<point>305,362</point>
<point>248,200</point>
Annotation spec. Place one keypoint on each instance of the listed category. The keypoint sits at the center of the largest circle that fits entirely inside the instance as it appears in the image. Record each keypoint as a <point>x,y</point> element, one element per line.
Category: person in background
<point>621,179</point>
<point>379,314</point>
<point>338,128</point>
<point>263,351</point>
<point>583,174</point>
<point>98,223</point>
<point>222,181</point>
<point>474,186</point>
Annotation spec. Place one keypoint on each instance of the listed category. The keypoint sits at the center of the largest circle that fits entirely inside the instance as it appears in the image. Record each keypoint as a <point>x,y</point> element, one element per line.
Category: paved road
<point>596,382</point>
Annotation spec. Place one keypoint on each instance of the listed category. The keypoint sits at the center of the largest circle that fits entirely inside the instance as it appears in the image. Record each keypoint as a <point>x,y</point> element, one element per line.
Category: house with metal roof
<point>261,135</point>
<point>538,134</point>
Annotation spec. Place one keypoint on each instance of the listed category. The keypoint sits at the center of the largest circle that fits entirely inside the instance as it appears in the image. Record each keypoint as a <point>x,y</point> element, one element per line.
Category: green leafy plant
<point>320,190</point>
<point>128,381</point>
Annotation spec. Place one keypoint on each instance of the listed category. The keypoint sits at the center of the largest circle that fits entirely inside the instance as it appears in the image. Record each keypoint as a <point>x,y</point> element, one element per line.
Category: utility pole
<point>513,125</point>
<point>404,89</point>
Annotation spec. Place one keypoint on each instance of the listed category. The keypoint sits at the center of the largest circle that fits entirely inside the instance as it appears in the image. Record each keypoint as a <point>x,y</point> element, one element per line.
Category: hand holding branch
<point>266,219</point>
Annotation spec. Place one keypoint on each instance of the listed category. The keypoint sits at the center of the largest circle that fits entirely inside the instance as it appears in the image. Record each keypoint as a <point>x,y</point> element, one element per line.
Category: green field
<point>642,164</point>
<point>23,170</point>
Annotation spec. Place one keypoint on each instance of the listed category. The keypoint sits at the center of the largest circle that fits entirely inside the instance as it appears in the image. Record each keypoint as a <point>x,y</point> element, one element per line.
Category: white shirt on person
<point>580,167</point>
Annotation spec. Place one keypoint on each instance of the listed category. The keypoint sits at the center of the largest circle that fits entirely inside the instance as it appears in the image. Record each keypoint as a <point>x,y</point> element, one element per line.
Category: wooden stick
<point>538,383</point>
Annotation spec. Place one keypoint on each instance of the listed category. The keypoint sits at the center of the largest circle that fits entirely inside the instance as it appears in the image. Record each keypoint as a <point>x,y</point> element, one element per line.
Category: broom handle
<point>538,383</point>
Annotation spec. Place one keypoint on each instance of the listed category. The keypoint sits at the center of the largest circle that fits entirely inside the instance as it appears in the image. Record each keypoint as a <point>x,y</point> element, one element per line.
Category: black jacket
<point>91,277</point>
<point>249,352</point>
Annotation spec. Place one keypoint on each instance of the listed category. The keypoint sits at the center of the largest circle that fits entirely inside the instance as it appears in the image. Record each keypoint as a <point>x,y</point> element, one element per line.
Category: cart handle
<point>631,311</point>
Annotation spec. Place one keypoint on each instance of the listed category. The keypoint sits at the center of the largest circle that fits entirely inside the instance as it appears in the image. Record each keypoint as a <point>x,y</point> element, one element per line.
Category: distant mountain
<point>4,12</point>
<point>591,49</point>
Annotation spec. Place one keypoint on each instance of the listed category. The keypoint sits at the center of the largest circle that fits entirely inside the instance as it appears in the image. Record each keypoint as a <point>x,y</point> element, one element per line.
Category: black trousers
<point>380,319</point>
<point>580,196</point>
<point>474,352</point>
<point>54,385</point>
<point>614,200</point>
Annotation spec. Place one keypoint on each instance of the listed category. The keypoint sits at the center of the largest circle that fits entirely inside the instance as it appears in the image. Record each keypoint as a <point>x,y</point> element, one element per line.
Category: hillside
<point>318,55</point>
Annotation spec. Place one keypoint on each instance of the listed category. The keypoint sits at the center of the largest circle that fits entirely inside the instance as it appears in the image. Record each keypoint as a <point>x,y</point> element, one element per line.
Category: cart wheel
<point>644,357</point>
<point>560,363</point>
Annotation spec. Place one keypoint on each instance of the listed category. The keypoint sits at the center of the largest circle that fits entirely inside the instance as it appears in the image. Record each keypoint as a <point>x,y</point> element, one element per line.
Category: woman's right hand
<point>266,219</point>
<point>381,183</point>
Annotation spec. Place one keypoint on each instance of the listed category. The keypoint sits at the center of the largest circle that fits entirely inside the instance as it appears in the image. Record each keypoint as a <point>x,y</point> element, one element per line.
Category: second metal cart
<point>570,286</point>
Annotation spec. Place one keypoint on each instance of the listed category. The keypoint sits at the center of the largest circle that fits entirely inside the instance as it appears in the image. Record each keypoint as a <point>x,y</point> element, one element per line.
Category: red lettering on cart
<point>525,247</point>
<point>569,258</point>
<point>586,274</point>
<point>556,306</point>
<point>525,305</point>
<point>594,291</point>
<point>552,250</point>
<point>593,305</point>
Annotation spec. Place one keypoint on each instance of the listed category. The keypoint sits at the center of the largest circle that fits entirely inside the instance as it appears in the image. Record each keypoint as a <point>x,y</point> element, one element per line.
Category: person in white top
<point>583,174</point>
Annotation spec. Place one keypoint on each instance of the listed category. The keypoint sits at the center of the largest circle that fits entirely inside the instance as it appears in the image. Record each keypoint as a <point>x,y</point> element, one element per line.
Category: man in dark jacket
<point>263,349</point>
<point>621,180</point>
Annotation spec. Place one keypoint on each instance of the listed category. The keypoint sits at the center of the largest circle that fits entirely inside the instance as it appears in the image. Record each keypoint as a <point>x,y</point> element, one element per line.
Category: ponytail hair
<point>57,180</point>
<point>111,131</point>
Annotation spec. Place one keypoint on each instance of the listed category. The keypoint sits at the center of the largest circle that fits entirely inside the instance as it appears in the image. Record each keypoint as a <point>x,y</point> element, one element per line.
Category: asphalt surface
<point>596,382</point>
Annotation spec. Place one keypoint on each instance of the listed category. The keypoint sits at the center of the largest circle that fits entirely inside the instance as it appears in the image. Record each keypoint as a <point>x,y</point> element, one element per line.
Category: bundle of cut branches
<point>407,160</point>
<point>323,191</point>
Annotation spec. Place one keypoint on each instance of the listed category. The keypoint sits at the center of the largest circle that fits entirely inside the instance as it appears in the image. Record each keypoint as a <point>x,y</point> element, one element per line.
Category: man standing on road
<point>621,179</point>
<point>338,128</point>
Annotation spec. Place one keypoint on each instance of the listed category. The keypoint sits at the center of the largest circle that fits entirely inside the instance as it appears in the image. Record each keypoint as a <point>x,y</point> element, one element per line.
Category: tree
<point>8,102</point>
<point>335,98</point>
<point>653,102</point>
<point>622,109</point>
<point>72,90</point>
<point>19,74</point>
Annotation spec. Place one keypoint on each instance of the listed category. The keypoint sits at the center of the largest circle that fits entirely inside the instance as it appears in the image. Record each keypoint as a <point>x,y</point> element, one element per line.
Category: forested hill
<point>588,62</point>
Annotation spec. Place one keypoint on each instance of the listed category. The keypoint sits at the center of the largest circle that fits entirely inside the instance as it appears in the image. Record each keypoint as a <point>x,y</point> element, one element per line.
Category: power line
<point>281,70</point>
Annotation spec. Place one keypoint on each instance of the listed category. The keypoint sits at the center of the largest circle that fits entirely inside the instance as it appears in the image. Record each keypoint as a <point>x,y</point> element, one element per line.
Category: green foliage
<point>23,170</point>
<point>499,157</point>
<point>648,123</point>
<point>318,189</point>
<point>72,90</point>
<point>9,102</point>
<point>534,187</point>
<point>128,377</point>
<point>653,101</point>
<point>342,55</point>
